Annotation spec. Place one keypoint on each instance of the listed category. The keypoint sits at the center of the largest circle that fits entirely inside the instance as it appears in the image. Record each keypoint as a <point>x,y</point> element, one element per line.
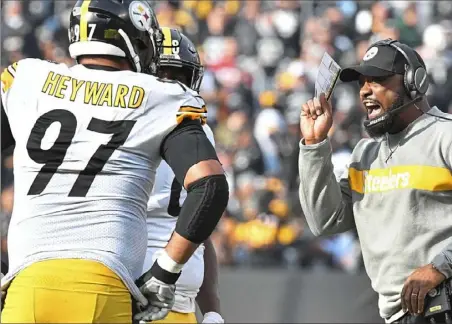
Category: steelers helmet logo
<point>370,54</point>
<point>140,15</point>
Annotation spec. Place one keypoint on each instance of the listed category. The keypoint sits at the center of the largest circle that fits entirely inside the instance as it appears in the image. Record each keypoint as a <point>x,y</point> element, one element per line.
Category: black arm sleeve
<point>207,197</point>
<point>186,146</point>
<point>7,136</point>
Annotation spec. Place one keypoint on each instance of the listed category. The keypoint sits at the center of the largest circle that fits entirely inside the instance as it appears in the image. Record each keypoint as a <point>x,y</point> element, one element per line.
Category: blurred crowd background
<point>261,60</point>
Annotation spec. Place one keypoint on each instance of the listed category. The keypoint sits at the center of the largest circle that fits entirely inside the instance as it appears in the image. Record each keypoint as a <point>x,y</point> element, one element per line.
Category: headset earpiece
<point>415,80</point>
<point>421,80</point>
<point>408,83</point>
<point>407,78</point>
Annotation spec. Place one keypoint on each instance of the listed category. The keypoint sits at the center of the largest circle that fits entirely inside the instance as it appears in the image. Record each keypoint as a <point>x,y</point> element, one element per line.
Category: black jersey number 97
<point>53,157</point>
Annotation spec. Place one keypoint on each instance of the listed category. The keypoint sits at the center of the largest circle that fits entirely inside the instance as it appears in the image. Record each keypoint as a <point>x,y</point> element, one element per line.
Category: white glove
<point>160,292</point>
<point>160,296</point>
<point>213,317</point>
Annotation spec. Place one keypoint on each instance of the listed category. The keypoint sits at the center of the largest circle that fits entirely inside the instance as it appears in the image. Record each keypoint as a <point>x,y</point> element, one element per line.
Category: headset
<point>415,82</point>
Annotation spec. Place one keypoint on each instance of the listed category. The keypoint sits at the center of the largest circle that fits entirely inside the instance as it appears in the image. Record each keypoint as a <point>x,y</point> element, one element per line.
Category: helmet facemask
<point>177,69</point>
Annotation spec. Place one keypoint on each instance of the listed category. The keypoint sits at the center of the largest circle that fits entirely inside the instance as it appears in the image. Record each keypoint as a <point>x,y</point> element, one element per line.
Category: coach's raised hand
<point>316,120</point>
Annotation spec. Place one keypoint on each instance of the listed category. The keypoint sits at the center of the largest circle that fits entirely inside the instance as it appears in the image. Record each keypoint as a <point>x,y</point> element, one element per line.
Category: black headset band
<point>408,53</point>
<point>415,79</point>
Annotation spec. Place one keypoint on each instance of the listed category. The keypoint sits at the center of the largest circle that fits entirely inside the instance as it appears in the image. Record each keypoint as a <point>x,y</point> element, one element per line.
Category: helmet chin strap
<point>155,47</point>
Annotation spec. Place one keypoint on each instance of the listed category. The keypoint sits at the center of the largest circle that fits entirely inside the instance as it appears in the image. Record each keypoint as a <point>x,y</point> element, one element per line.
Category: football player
<point>179,60</point>
<point>88,140</point>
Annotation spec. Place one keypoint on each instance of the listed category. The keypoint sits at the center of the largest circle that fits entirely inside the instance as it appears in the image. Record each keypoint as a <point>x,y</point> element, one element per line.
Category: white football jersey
<point>163,208</point>
<point>87,148</point>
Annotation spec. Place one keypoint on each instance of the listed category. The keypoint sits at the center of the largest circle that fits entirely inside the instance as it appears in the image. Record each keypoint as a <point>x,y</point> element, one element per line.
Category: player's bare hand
<point>316,120</point>
<point>417,286</point>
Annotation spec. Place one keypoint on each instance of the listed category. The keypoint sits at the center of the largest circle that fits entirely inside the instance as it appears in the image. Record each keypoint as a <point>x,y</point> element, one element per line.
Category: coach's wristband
<point>166,269</point>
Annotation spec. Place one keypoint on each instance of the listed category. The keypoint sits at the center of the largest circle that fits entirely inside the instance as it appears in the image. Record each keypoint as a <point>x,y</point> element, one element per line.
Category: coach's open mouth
<point>373,108</point>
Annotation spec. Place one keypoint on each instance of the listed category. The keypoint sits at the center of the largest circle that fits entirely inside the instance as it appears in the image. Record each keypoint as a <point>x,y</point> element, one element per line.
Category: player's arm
<point>193,159</point>
<point>190,154</point>
<point>208,297</point>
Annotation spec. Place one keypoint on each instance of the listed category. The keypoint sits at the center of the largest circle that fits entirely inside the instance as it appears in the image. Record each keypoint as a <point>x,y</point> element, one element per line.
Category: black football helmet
<point>122,28</point>
<point>179,59</point>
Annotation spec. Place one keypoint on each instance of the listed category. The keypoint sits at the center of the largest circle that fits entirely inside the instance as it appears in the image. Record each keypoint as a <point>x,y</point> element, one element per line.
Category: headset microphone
<point>374,126</point>
<point>415,80</point>
<point>376,122</point>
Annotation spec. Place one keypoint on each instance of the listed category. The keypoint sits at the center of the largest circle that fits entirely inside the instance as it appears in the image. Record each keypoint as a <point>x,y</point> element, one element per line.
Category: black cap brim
<point>353,73</point>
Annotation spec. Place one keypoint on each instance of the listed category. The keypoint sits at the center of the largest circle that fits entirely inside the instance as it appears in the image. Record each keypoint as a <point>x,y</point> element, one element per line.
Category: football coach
<point>397,190</point>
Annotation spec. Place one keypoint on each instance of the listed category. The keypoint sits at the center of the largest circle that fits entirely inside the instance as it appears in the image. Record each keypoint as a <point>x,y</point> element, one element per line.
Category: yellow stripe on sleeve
<point>193,113</point>
<point>7,80</point>
<point>203,109</point>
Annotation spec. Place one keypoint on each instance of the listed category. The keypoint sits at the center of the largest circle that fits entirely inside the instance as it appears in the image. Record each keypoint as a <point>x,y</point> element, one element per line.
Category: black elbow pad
<point>206,201</point>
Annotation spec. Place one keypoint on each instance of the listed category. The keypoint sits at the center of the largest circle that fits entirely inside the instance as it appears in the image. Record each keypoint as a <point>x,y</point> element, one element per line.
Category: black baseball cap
<point>379,61</point>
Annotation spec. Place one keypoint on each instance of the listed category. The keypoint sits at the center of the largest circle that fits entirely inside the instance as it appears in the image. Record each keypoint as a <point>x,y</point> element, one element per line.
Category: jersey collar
<point>100,67</point>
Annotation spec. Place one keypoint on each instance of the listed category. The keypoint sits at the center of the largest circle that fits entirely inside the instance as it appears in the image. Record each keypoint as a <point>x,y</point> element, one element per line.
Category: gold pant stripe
<point>67,291</point>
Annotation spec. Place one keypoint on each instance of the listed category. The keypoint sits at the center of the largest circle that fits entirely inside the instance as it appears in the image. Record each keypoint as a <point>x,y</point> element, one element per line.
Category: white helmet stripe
<point>94,48</point>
